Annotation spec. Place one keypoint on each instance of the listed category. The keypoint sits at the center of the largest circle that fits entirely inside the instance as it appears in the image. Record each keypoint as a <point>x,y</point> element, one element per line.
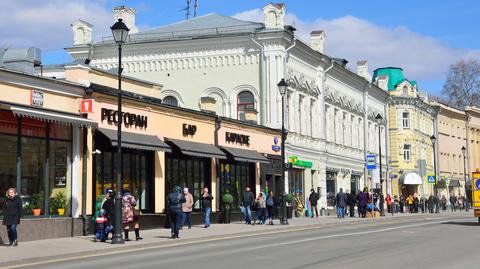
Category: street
<point>424,242</point>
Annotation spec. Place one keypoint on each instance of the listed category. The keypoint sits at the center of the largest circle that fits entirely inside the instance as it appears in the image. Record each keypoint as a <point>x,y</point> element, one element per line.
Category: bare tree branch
<point>462,87</point>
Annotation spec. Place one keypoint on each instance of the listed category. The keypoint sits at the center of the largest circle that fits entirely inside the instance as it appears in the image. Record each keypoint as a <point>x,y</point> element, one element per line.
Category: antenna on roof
<point>187,9</point>
<point>195,9</point>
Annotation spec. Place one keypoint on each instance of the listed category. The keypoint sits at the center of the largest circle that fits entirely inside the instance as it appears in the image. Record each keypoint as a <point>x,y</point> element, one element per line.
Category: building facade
<point>234,67</point>
<point>411,126</point>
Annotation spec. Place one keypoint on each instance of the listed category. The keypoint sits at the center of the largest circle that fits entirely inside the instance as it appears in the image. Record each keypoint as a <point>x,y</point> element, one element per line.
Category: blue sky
<point>423,37</point>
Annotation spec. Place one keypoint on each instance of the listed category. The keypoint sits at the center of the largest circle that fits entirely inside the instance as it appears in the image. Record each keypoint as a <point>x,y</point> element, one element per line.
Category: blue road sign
<point>371,161</point>
<point>431,179</point>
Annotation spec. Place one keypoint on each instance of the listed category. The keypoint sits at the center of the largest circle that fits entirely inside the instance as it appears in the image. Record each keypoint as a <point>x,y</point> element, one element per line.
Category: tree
<point>462,87</point>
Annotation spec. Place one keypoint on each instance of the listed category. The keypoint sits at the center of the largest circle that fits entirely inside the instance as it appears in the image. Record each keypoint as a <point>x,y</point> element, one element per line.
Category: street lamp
<point>434,140</point>
<point>464,151</point>
<point>120,34</point>
<point>282,88</point>
<point>379,121</point>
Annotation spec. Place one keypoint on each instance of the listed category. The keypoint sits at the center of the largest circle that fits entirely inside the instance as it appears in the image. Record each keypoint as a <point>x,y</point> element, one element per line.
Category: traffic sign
<point>477,184</point>
<point>431,179</point>
<point>371,161</point>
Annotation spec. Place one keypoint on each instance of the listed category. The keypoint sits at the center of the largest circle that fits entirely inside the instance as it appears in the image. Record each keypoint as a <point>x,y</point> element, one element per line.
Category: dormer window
<point>405,90</point>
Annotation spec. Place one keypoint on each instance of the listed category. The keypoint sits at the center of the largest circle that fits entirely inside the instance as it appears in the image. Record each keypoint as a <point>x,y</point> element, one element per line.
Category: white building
<point>238,65</point>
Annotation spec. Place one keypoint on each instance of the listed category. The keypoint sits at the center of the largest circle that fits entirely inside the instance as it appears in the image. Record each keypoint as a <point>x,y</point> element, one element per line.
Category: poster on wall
<point>60,167</point>
<point>60,178</point>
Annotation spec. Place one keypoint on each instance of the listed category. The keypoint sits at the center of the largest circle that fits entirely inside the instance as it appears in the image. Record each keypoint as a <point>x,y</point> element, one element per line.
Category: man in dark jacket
<point>351,204</point>
<point>341,202</point>
<point>12,212</point>
<point>109,207</point>
<point>313,198</point>
<point>248,200</point>
<point>207,206</point>
<point>362,204</point>
<point>174,205</point>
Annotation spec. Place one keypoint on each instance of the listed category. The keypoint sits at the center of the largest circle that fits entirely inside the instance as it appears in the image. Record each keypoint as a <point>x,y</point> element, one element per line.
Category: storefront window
<point>38,181</point>
<point>235,177</point>
<point>295,183</point>
<point>331,188</point>
<point>186,171</point>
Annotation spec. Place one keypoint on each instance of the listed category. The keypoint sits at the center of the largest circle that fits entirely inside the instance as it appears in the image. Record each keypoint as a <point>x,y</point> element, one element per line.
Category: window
<point>406,152</point>
<point>295,183</point>
<point>235,177</point>
<point>405,90</point>
<point>299,111</point>
<point>245,101</point>
<point>170,100</point>
<point>406,120</point>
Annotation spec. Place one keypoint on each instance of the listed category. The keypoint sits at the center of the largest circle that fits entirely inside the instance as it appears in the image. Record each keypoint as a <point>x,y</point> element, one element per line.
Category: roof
<point>207,25</point>
<point>395,76</point>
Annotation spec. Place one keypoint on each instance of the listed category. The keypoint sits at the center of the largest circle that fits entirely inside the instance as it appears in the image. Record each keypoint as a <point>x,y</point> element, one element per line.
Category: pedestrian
<point>389,202</point>
<point>396,204</point>
<point>130,217</point>
<point>341,202</point>
<point>207,206</point>
<point>260,213</point>
<point>362,203</point>
<point>12,213</point>
<point>175,201</point>
<point>401,203</point>
<point>313,198</point>
<point>187,209</point>
<point>444,203</point>
<point>351,204</point>
<point>430,204</point>
<point>409,201</point>
<point>248,200</point>
<point>453,202</point>
<point>109,207</point>
<point>271,206</point>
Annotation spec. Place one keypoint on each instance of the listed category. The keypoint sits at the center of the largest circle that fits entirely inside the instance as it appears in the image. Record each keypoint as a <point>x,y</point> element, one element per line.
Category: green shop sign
<point>295,161</point>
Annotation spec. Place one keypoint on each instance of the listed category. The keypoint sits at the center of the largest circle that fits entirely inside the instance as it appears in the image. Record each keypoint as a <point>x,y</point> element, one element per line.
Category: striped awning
<point>53,117</point>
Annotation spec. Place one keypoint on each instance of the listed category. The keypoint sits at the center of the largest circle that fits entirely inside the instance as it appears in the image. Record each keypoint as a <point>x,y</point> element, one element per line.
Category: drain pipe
<point>261,81</point>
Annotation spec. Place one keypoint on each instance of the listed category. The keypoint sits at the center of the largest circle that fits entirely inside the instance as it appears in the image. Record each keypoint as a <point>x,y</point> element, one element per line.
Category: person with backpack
<point>270,207</point>
<point>313,198</point>
<point>175,201</point>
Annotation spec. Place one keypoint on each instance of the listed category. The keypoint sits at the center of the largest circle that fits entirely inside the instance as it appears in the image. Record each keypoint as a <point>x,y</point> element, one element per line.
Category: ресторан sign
<point>128,119</point>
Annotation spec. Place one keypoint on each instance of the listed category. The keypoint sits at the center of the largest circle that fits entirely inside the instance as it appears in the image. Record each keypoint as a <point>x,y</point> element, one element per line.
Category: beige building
<point>451,138</point>
<point>473,138</point>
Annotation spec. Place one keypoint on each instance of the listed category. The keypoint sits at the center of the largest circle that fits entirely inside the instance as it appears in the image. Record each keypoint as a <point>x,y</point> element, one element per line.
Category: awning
<point>197,149</point>
<point>244,155</point>
<point>136,141</point>
<point>54,117</point>
<point>441,184</point>
<point>411,178</point>
<point>454,183</point>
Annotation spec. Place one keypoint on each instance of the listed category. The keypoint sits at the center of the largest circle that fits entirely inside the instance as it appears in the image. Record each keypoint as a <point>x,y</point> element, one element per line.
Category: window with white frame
<point>406,119</point>
<point>407,151</point>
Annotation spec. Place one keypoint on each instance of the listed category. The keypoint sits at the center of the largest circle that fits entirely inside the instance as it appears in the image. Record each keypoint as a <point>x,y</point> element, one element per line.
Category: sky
<point>423,37</point>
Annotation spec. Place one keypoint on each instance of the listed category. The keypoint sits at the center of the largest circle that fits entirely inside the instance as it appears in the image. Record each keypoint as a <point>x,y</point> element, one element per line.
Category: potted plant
<point>36,203</point>
<point>227,200</point>
<point>289,199</point>
<point>59,202</point>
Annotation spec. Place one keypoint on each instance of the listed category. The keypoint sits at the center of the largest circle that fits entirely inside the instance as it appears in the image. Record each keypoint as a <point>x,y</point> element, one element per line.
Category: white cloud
<point>46,23</point>
<point>421,57</point>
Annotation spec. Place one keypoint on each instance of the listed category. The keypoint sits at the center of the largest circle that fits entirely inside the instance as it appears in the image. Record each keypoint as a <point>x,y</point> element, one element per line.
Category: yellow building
<point>411,126</point>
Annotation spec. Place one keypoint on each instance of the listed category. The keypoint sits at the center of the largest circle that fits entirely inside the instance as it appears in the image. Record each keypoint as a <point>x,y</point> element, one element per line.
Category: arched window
<point>170,100</point>
<point>405,90</point>
<point>245,100</point>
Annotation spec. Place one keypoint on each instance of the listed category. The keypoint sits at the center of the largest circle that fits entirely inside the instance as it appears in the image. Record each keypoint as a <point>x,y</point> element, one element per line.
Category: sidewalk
<point>41,250</point>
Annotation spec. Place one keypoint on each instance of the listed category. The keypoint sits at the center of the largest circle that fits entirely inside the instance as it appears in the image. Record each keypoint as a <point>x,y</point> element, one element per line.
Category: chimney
<point>316,40</point>
<point>274,15</point>
<point>207,104</point>
<point>127,14</point>
<point>382,82</point>
<point>82,33</point>
<point>22,60</point>
<point>362,70</point>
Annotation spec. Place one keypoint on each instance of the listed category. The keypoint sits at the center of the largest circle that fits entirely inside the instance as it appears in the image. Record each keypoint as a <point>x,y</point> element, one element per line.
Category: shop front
<point>410,183</point>
<point>40,134</point>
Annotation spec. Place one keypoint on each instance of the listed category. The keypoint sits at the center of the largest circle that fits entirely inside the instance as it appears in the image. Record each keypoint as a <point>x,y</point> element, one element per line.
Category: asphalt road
<point>437,242</point>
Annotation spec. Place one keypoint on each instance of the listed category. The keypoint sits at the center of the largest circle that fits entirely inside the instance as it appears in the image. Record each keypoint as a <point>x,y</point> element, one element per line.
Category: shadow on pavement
<point>463,223</point>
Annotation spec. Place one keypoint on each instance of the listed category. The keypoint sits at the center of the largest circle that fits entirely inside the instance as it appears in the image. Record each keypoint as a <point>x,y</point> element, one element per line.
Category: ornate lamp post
<point>379,121</point>
<point>120,34</point>
<point>434,140</point>
<point>464,152</point>
<point>282,88</point>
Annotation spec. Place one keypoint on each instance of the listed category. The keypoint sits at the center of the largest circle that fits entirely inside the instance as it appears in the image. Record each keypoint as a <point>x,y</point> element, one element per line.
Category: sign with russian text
<point>36,98</point>
<point>128,119</point>
<point>371,161</point>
